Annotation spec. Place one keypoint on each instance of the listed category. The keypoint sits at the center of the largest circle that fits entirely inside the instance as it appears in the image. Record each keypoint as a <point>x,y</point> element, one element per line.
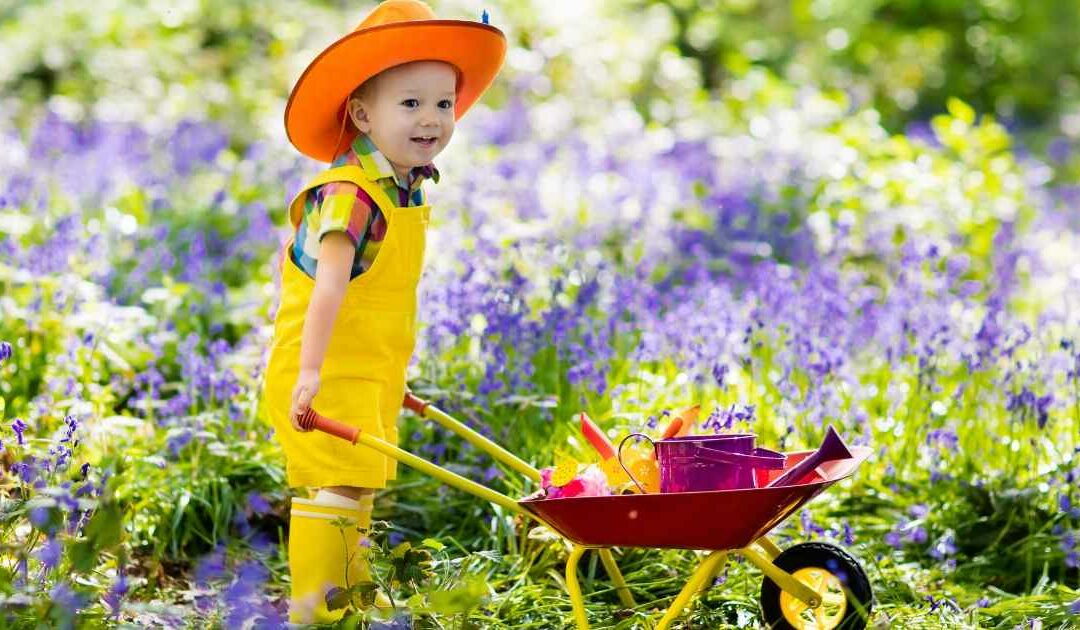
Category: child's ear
<point>359,115</point>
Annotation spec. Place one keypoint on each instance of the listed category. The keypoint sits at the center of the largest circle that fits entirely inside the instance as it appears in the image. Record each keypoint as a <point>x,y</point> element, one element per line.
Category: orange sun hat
<point>395,32</point>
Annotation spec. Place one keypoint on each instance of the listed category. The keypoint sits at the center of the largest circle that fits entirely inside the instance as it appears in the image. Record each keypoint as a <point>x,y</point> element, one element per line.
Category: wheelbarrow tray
<point>715,520</point>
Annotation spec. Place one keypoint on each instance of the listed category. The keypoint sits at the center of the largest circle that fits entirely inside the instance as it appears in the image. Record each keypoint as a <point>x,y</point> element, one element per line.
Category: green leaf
<point>367,592</point>
<point>433,544</point>
<point>459,599</point>
<point>105,526</point>
<point>102,532</point>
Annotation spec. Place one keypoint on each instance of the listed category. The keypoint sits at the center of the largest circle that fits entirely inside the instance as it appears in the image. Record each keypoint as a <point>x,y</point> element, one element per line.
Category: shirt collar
<point>377,167</point>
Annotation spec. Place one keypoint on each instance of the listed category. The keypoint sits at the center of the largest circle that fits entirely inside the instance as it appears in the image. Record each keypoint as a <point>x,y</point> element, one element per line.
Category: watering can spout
<point>832,448</point>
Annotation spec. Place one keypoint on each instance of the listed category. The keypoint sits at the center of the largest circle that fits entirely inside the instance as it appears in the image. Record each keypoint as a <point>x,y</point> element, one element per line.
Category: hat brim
<point>312,114</point>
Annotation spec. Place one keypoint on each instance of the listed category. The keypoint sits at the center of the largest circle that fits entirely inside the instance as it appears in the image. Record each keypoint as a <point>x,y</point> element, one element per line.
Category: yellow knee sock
<point>323,555</point>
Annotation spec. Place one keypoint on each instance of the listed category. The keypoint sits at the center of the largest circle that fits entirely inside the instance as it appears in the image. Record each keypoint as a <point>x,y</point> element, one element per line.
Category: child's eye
<point>410,102</point>
<point>445,104</point>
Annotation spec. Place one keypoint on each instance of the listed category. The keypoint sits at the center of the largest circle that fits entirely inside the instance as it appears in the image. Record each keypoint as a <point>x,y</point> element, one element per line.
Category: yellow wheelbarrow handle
<point>424,409</point>
<point>313,420</point>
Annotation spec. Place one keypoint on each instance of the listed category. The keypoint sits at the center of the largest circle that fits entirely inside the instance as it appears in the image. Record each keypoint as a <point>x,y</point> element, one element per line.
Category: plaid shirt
<point>345,207</point>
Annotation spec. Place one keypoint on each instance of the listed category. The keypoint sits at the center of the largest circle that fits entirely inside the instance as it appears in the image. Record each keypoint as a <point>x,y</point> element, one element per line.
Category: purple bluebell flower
<point>19,427</point>
<point>399,622</point>
<point>27,469</point>
<point>194,144</point>
<point>177,440</point>
<point>50,554</point>
<point>66,599</point>
<point>944,547</point>
<point>210,567</point>
<point>71,424</point>
<point>257,504</point>
<point>946,438</point>
<point>22,572</point>
<point>5,351</point>
<point>808,525</point>
<point>1059,149</point>
<point>719,373</point>
<point>39,516</point>
<point>114,598</point>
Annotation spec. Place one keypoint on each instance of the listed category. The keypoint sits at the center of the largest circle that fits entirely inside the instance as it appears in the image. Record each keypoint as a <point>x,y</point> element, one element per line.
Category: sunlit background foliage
<point>858,213</point>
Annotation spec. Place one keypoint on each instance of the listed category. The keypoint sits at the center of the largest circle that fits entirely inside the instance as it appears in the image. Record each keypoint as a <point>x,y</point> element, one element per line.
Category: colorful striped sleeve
<point>345,208</point>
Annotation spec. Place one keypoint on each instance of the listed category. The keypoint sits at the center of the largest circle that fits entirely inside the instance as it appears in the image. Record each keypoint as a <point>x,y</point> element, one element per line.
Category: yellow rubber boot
<point>323,555</point>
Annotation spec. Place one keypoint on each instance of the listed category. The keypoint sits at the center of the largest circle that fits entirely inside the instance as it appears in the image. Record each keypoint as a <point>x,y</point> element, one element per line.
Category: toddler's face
<point>408,112</point>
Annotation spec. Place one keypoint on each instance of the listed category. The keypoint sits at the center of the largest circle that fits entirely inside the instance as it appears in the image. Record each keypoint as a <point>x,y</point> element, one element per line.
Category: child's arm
<point>336,252</point>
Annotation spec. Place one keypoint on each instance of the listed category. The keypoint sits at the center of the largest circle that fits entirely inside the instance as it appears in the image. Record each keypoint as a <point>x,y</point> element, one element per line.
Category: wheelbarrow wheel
<point>832,572</point>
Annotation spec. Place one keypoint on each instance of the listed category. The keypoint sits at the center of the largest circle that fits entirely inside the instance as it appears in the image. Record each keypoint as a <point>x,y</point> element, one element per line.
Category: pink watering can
<point>701,463</point>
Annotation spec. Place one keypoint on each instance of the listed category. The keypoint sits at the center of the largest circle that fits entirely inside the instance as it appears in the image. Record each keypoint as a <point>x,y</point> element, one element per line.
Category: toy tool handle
<point>312,420</point>
<point>596,437</point>
<point>415,404</point>
<point>672,429</point>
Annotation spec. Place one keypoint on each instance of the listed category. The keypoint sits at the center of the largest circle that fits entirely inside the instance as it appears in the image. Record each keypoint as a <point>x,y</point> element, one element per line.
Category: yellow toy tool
<point>642,466</point>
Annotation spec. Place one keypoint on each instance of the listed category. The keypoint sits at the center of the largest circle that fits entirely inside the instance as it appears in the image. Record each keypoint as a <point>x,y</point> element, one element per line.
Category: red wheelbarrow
<point>810,586</point>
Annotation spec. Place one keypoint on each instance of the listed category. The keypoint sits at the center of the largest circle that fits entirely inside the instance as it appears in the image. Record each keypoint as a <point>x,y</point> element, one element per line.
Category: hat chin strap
<point>341,129</point>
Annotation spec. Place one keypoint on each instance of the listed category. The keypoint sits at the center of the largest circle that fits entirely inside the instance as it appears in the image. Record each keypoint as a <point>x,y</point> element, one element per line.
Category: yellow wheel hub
<point>833,601</point>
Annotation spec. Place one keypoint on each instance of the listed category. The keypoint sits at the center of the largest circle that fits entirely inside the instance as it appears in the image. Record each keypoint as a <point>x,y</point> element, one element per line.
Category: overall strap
<point>348,173</point>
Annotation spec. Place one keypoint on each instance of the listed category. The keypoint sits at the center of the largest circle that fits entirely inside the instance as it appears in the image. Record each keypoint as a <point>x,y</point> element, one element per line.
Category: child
<point>344,332</point>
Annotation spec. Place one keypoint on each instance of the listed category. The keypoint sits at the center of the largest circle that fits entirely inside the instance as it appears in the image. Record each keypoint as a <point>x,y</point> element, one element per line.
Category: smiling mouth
<point>426,141</point>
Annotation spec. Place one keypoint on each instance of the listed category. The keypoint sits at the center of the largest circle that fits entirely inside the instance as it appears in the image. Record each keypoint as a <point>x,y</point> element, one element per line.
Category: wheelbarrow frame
<point>760,553</point>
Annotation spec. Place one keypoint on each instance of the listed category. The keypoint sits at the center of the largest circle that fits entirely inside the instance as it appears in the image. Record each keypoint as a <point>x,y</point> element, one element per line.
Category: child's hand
<point>307,385</point>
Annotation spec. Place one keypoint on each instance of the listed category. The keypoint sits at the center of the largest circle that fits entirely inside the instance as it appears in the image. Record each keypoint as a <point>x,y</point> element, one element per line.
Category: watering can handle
<point>627,470</point>
<point>738,458</point>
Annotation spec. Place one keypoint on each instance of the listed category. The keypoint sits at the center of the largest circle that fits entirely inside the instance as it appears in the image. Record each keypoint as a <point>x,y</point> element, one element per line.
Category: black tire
<point>834,560</point>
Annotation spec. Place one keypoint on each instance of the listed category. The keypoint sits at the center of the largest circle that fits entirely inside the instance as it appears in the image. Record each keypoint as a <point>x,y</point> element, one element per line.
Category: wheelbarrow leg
<point>771,549</point>
<point>783,579</point>
<point>617,579</point>
<point>711,577</point>
<point>574,587</point>
<point>708,567</point>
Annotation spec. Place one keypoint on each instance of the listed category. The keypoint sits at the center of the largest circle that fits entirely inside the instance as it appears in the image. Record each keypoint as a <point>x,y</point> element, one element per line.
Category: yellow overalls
<point>362,381</point>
